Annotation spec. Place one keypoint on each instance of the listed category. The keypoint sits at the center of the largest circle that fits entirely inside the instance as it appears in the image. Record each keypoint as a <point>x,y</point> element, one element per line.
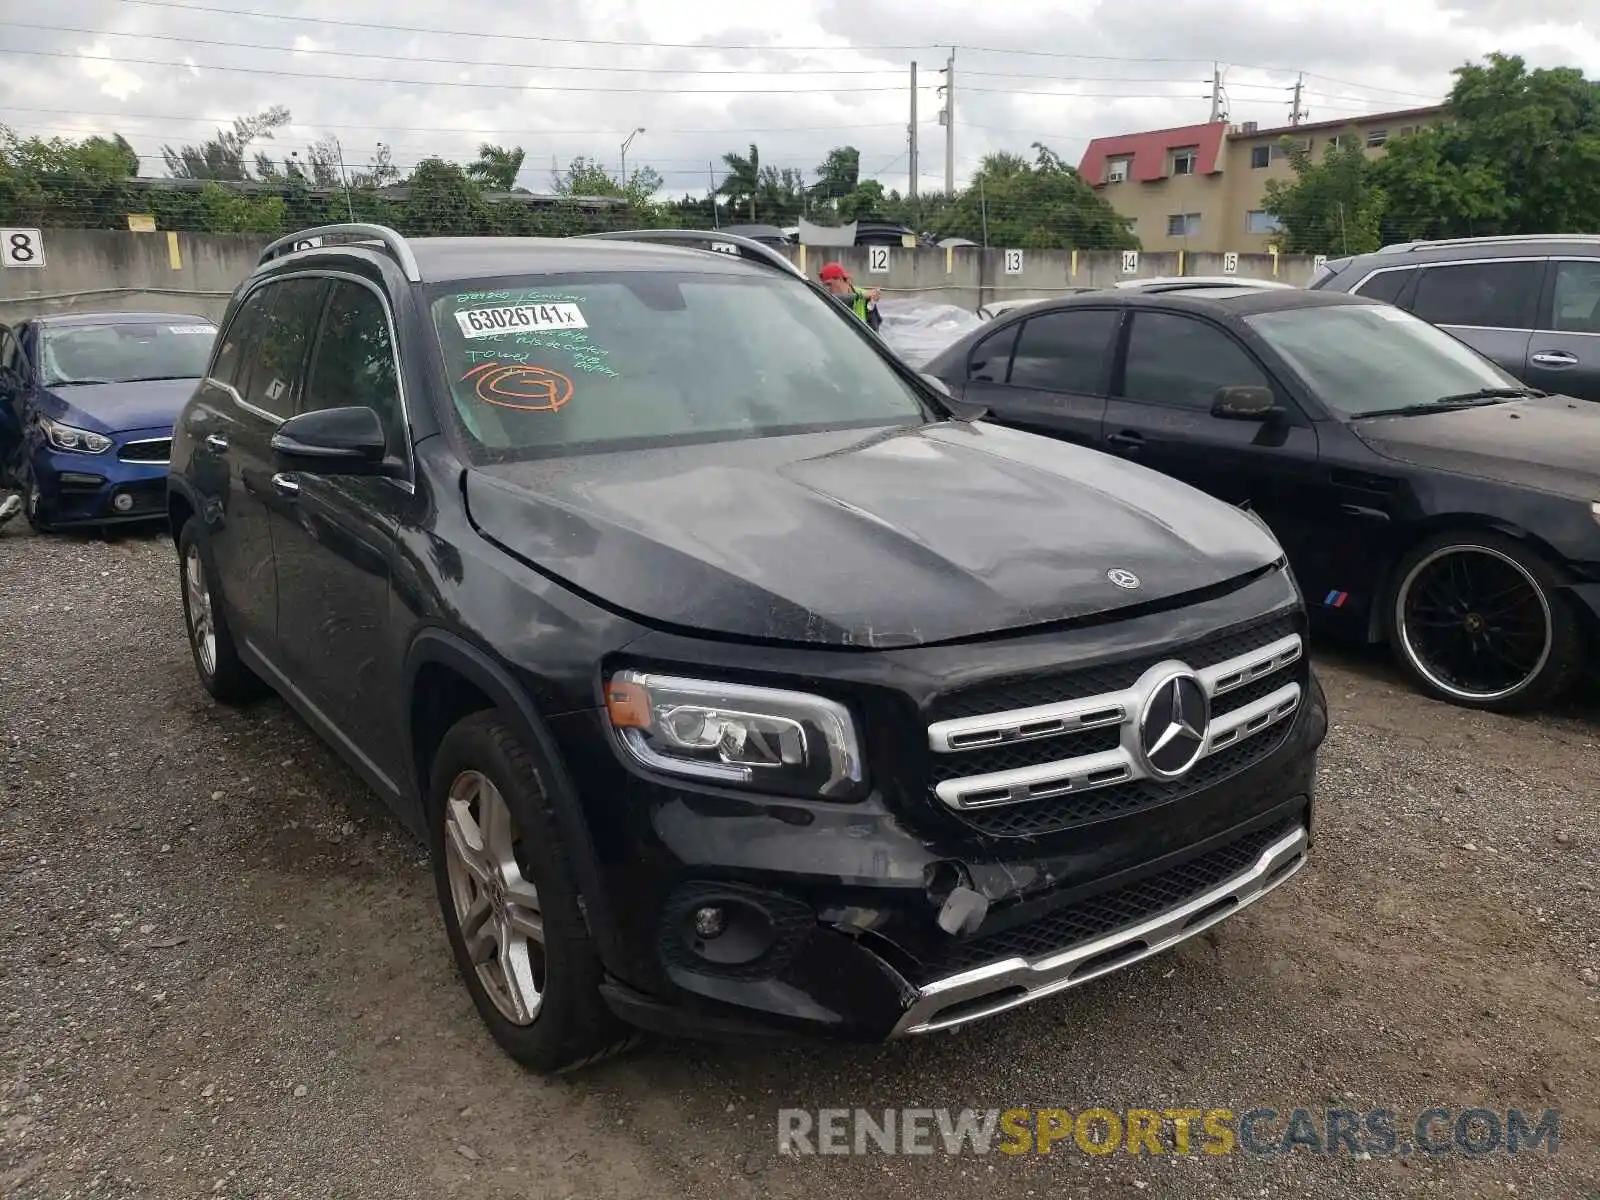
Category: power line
<point>451,83</point>
<point>433,31</point>
<point>452,62</point>
<point>73,112</point>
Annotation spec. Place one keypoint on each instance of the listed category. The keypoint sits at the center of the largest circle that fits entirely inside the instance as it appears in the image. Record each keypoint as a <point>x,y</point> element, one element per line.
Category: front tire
<point>1478,620</point>
<point>510,904</point>
<point>216,659</point>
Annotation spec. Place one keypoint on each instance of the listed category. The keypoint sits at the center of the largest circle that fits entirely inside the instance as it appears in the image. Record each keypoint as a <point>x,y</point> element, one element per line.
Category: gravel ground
<point>224,974</point>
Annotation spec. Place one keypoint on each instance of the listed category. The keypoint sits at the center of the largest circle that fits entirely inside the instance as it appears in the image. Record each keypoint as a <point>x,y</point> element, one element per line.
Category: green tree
<point>838,175</point>
<point>743,180</point>
<point>444,199</point>
<point>1519,154</point>
<point>1042,205</point>
<point>497,167</point>
<point>1332,207</point>
<point>586,177</point>
<point>223,157</point>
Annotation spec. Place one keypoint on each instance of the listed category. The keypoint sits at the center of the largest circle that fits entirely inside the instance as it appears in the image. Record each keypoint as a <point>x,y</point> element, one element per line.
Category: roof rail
<point>705,239</point>
<point>1492,240</point>
<point>379,235</point>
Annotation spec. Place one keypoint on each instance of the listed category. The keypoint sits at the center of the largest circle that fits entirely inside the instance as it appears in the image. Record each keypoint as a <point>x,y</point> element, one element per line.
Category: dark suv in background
<point>736,680</point>
<point>1531,303</point>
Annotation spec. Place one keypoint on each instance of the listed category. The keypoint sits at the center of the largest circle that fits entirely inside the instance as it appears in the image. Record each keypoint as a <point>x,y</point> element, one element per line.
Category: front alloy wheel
<point>496,907</point>
<point>1477,619</point>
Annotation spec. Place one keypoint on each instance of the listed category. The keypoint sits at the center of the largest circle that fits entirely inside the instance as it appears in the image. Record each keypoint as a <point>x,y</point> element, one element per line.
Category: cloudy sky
<point>707,76</point>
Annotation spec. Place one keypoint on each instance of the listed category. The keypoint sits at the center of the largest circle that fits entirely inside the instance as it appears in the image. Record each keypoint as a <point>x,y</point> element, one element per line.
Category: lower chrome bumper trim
<point>984,991</point>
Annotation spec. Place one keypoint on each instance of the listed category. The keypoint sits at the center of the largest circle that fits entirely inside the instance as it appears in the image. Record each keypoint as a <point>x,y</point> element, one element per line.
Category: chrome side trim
<point>1054,973</point>
<point>1104,768</point>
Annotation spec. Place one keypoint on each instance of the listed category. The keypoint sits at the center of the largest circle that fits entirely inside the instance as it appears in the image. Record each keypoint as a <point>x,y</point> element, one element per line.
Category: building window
<point>1185,160</point>
<point>1284,149</point>
<point>1260,156</point>
<point>1407,130</point>
<point>1335,141</point>
<point>1376,138</point>
<point>1260,221</point>
<point>1117,170</point>
<point>1183,225</point>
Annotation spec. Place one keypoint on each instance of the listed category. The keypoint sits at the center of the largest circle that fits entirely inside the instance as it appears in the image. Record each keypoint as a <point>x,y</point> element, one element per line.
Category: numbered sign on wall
<point>1230,263</point>
<point>21,248</point>
<point>1013,262</point>
<point>878,260</point>
<point>1130,262</point>
<point>310,243</point>
<point>1318,261</point>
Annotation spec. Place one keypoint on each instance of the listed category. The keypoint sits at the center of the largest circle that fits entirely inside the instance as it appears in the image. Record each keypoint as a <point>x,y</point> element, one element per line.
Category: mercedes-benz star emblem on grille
<point>1123,578</point>
<point>1172,727</point>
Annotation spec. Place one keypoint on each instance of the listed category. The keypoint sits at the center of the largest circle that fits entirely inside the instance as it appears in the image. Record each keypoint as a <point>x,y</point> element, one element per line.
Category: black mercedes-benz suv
<point>738,679</point>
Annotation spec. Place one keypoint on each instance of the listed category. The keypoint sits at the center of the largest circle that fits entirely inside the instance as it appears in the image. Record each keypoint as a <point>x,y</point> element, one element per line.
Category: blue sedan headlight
<point>72,439</point>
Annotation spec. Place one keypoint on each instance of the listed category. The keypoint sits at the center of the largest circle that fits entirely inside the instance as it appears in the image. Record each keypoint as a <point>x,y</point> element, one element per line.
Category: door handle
<point>285,484</point>
<point>1126,440</point>
<point>217,442</point>
<point>1555,358</point>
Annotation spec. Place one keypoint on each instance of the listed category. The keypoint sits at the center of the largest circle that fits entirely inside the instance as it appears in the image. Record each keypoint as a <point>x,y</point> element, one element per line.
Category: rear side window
<point>280,340</point>
<point>1064,351</point>
<point>1575,304</point>
<point>1181,361</point>
<point>354,361</point>
<point>991,358</point>
<point>1386,285</point>
<point>1492,294</point>
<point>243,331</point>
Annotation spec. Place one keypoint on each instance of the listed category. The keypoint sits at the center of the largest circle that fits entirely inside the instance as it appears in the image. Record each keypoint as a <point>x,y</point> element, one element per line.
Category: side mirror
<point>1245,404</point>
<point>333,437</point>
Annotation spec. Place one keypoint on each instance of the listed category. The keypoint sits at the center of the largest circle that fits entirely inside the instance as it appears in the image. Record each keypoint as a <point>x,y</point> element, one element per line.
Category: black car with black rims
<point>736,678</point>
<point>1425,497</point>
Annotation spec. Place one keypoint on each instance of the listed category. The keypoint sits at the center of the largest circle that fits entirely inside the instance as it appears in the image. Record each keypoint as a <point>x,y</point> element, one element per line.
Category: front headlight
<point>1594,510</point>
<point>78,441</point>
<point>765,739</point>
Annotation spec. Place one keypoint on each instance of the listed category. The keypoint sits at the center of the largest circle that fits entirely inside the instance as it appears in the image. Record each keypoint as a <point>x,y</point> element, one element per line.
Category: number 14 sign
<point>21,248</point>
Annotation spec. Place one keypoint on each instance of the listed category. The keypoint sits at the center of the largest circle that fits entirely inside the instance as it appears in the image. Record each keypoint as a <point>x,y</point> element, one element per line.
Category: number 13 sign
<point>21,248</point>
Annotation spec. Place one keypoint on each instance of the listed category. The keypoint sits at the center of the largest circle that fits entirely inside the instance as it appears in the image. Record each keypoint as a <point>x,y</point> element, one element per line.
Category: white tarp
<point>827,235</point>
<point>917,330</point>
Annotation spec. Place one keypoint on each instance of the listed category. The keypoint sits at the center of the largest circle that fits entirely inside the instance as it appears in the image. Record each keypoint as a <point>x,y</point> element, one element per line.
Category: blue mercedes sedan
<point>87,402</point>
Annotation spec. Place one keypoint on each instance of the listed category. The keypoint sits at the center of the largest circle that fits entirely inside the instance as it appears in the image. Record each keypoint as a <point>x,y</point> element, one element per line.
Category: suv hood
<point>880,540</point>
<point>117,407</point>
<point>1544,442</point>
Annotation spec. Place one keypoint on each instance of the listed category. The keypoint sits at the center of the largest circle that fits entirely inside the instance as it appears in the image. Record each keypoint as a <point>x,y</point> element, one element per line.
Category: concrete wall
<point>97,270</point>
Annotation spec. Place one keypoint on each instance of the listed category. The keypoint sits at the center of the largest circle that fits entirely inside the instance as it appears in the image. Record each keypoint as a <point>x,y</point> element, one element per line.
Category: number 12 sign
<point>877,259</point>
<point>21,248</point>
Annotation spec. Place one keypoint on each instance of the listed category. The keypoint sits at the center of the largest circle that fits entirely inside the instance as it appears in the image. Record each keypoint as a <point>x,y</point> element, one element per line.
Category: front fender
<point>443,648</point>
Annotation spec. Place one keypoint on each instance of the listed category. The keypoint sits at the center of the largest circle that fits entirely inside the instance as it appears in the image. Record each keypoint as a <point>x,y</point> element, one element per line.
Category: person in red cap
<point>864,304</point>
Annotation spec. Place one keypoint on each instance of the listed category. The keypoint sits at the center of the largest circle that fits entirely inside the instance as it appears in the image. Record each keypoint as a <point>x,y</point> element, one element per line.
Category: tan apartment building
<point>1201,187</point>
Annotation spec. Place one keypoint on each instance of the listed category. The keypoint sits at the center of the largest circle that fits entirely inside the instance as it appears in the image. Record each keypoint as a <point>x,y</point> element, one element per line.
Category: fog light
<point>710,921</point>
<point>122,502</point>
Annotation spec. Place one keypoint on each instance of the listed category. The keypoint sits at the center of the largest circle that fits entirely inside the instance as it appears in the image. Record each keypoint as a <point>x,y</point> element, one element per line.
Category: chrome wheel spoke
<point>466,842</point>
<point>516,968</point>
<point>526,923</point>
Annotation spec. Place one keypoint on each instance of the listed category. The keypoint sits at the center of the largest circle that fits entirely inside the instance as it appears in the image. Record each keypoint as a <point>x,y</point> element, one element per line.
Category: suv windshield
<point>125,352</point>
<point>619,361</point>
<point>1370,358</point>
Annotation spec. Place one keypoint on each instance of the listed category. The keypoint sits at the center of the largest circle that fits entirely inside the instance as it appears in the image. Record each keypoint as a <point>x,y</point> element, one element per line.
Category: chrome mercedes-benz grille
<point>1059,762</point>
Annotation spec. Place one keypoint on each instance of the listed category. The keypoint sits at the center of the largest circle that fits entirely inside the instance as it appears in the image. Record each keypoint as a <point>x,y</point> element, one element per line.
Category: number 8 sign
<point>21,248</point>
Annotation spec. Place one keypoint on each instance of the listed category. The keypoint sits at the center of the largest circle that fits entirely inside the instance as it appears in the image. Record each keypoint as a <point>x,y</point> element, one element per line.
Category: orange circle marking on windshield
<point>520,386</point>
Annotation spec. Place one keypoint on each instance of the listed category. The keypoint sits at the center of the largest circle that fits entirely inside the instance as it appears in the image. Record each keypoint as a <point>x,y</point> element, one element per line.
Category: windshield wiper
<point>1500,393</point>
<point>76,382</point>
<point>1455,403</point>
<point>154,378</point>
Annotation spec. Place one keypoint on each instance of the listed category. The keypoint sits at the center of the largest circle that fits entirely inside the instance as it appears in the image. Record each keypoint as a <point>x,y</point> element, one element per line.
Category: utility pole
<point>1216,92</point>
<point>911,132</point>
<point>711,178</point>
<point>349,207</point>
<point>1296,115</point>
<point>623,181</point>
<point>947,117</point>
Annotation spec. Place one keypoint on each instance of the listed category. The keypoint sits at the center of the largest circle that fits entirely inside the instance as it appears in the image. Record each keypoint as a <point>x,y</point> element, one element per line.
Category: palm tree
<point>497,166</point>
<point>744,178</point>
